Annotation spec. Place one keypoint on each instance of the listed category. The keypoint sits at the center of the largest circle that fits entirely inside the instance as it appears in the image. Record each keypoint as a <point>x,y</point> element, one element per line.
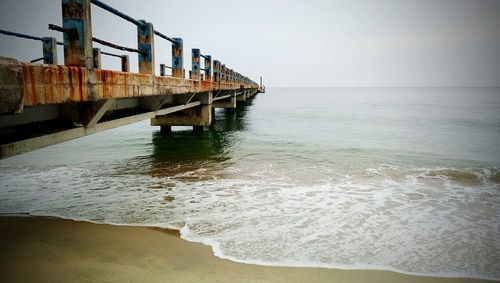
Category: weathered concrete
<point>54,84</point>
<point>241,97</point>
<point>77,47</point>
<point>96,53</point>
<point>177,58</point>
<point>229,102</point>
<point>197,116</point>
<point>49,50</point>
<point>125,63</point>
<point>145,44</point>
<point>67,101</point>
<point>11,86</point>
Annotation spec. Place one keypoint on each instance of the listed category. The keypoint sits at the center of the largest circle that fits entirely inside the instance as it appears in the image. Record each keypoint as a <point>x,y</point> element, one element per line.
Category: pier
<point>45,104</point>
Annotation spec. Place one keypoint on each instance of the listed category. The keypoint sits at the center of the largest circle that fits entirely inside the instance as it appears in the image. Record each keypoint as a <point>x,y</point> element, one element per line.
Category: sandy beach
<point>39,249</point>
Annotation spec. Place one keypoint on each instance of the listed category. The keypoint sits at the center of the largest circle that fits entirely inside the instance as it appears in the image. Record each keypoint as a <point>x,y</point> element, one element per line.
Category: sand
<point>37,249</point>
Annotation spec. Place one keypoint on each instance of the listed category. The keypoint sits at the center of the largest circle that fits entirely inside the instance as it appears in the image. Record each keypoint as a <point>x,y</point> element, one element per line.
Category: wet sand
<point>38,249</point>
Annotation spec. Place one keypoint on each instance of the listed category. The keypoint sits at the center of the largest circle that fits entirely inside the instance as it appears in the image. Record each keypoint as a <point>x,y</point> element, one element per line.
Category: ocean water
<point>403,179</point>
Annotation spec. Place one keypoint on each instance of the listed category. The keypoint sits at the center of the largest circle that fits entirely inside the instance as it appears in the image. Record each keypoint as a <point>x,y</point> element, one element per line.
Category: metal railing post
<point>145,44</point>
<point>216,71</point>
<point>177,58</point>
<point>195,64</point>
<point>208,68</point>
<point>49,50</point>
<point>97,58</point>
<point>125,63</point>
<point>77,45</point>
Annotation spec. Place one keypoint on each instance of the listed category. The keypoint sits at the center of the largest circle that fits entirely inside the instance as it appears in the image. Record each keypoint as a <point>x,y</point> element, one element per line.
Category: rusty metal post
<point>77,46</point>
<point>49,50</point>
<point>145,44</point>
<point>195,64</point>
<point>125,63</point>
<point>177,59</point>
<point>208,68</point>
<point>216,71</point>
<point>97,58</point>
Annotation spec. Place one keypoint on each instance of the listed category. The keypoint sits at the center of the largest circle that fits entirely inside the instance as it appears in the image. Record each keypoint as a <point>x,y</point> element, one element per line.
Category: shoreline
<point>46,249</point>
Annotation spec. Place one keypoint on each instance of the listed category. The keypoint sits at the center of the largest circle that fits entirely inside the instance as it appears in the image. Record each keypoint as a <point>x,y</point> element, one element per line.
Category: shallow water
<point>377,178</point>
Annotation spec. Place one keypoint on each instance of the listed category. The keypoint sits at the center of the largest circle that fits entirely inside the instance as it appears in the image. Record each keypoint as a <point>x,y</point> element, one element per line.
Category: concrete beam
<point>98,109</point>
<point>35,84</point>
<point>197,116</point>
<point>241,97</point>
<point>225,103</point>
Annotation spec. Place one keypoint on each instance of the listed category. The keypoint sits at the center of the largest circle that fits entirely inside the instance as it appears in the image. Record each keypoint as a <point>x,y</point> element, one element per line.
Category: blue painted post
<point>49,50</point>
<point>78,46</point>
<point>177,55</point>
<point>223,73</point>
<point>145,44</point>
<point>195,64</point>
<point>216,71</point>
<point>208,68</point>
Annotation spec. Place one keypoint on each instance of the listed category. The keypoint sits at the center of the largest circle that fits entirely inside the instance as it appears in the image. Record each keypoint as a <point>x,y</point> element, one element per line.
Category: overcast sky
<point>299,43</point>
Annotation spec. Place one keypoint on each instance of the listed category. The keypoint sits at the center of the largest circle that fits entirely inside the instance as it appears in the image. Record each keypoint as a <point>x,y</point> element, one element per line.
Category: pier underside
<point>42,105</point>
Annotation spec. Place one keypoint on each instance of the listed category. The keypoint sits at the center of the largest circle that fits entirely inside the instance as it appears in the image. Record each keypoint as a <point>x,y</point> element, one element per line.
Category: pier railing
<point>79,50</point>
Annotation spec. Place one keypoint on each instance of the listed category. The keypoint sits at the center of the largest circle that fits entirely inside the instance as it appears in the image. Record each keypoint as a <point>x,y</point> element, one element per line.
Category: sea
<point>400,179</point>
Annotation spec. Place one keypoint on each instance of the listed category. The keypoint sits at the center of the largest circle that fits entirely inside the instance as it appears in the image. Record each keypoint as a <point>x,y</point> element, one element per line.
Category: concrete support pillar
<point>242,97</point>
<point>166,130</point>
<point>198,129</point>
<point>49,50</point>
<point>177,58</point>
<point>195,64</point>
<point>208,68</point>
<point>216,71</point>
<point>145,44</point>
<point>78,44</point>
<point>196,116</point>
<point>125,63</point>
<point>96,53</point>
<point>228,103</point>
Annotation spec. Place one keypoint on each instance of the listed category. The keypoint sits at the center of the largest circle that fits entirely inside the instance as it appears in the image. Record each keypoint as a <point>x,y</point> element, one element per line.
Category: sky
<point>313,43</point>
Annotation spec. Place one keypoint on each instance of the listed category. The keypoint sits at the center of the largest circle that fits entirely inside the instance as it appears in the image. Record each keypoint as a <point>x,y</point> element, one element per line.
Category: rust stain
<point>31,73</point>
<point>40,84</point>
<point>60,75</point>
<point>70,81</point>
<point>125,77</point>
<point>80,83</point>
<point>103,83</point>
<point>26,97</point>
<point>50,83</point>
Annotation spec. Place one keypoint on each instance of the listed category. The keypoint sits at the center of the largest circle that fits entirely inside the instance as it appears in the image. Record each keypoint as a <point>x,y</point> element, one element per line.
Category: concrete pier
<point>44,104</point>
